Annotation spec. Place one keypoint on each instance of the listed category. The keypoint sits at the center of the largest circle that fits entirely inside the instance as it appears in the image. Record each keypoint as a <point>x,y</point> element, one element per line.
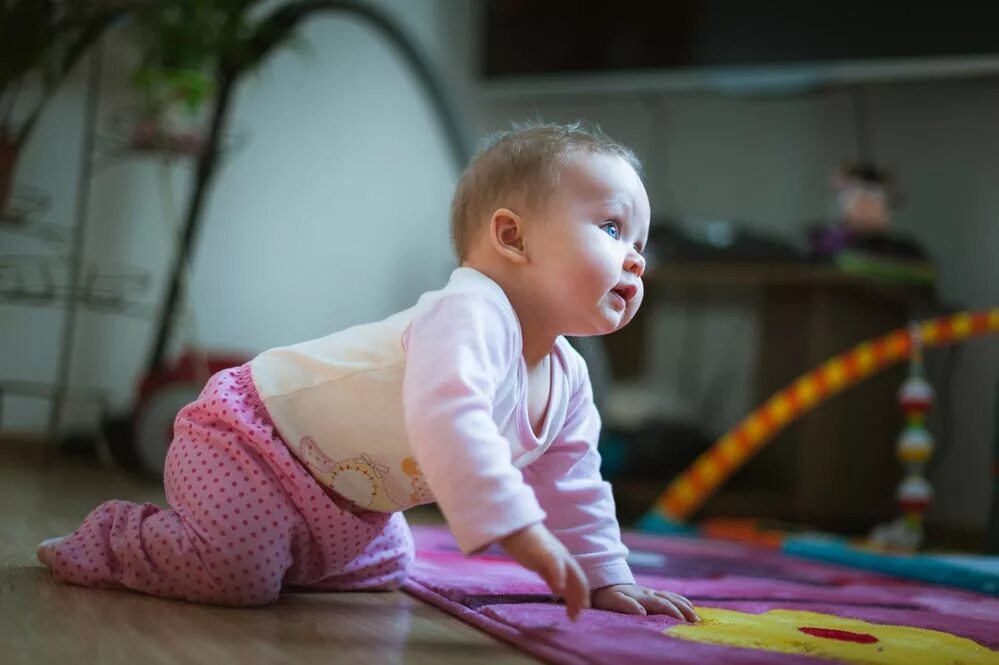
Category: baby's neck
<point>538,341</point>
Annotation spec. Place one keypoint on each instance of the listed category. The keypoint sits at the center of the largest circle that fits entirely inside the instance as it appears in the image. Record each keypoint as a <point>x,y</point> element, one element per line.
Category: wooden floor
<point>43,621</point>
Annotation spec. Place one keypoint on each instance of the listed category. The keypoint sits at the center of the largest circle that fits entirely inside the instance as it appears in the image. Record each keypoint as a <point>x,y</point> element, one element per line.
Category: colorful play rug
<point>758,606</point>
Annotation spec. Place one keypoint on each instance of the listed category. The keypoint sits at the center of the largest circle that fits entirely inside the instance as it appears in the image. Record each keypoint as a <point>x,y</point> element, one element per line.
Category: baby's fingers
<point>677,604</point>
<point>577,592</point>
<point>553,573</point>
<point>623,604</point>
<point>660,605</point>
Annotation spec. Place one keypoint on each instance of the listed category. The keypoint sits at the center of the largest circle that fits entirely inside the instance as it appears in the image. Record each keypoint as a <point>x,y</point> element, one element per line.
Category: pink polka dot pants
<point>245,520</point>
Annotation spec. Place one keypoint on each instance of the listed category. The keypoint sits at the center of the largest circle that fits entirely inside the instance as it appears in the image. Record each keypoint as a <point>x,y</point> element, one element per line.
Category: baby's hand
<point>536,548</point>
<point>635,599</point>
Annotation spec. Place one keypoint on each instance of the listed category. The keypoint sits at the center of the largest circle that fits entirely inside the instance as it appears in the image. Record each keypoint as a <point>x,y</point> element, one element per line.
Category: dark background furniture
<point>835,468</point>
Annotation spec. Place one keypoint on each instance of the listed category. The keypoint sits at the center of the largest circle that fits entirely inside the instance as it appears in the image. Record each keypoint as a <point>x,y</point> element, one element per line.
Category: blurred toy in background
<point>861,239</point>
<point>866,196</point>
<point>915,446</point>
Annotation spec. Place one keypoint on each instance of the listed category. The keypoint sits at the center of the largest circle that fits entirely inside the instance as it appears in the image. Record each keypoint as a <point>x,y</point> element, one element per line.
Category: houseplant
<point>183,42</point>
<point>40,43</point>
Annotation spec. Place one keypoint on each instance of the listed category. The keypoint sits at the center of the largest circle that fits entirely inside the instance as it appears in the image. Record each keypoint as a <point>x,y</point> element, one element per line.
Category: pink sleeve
<point>569,487</point>
<point>457,352</point>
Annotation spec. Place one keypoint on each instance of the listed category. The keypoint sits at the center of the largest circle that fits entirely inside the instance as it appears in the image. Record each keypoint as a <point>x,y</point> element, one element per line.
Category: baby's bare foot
<point>46,550</point>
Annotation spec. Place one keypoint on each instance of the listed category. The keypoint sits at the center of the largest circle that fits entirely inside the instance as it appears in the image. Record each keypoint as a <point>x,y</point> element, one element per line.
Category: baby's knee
<point>259,596</point>
<point>252,591</point>
<point>245,578</point>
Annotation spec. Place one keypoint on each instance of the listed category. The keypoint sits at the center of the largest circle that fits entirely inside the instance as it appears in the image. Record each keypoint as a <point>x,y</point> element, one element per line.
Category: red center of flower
<point>841,635</point>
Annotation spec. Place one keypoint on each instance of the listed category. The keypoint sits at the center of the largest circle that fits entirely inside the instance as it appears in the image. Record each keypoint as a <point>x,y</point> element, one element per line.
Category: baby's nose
<point>636,264</point>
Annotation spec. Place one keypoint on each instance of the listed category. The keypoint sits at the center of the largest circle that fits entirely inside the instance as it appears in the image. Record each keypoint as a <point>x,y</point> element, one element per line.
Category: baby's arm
<point>580,507</point>
<point>567,484</point>
<point>456,353</point>
<point>454,356</point>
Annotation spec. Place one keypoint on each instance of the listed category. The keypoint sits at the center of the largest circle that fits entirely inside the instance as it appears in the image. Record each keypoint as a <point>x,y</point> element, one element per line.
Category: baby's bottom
<point>246,518</point>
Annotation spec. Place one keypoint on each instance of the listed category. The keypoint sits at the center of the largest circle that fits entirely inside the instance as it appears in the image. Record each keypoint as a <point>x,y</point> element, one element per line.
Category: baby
<point>294,469</point>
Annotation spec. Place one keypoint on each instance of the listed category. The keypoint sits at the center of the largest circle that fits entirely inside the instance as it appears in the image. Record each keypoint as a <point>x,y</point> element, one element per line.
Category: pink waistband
<point>242,377</point>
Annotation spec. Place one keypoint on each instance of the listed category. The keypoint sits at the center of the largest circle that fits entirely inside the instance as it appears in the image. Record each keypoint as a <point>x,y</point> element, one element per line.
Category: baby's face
<point>585,247</point>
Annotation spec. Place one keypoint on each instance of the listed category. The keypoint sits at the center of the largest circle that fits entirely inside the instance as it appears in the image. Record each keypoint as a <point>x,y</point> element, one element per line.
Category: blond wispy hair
<point>522,164</point>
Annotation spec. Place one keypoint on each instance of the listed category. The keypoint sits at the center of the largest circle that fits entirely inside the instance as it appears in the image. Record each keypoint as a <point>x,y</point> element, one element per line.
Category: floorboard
<point>44,621</point>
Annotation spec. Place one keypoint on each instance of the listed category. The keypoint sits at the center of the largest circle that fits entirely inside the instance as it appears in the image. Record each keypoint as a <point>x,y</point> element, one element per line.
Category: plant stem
<point>8,101</point>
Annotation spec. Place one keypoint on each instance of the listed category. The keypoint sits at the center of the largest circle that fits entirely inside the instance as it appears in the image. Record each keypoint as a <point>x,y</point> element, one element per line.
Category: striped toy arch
<point>691,488</point>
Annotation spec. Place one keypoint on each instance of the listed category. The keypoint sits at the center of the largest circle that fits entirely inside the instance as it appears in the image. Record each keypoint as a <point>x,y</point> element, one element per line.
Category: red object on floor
<point>841,635</point>
<point>190,367</point>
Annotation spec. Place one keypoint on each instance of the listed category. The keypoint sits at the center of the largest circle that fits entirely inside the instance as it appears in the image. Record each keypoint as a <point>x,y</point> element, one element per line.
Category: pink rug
<point>758,607</point>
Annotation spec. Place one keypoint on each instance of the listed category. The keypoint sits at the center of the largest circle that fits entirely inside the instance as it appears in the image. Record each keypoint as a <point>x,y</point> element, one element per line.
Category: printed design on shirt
<point>420,490</point>
<point>314,459</point>
<point>363,480</point>
<point>412,491</point>
<point>359,479</point>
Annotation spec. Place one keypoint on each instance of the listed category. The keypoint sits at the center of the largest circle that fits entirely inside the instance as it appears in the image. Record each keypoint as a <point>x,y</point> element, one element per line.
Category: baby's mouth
<point>626,292</point>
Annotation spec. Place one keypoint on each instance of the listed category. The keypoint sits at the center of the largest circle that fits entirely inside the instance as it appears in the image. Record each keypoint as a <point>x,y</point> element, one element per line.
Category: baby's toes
<point>46,550</point>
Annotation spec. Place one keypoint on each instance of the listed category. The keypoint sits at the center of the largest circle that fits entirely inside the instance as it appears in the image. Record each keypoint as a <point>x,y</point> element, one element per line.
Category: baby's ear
<point>506,234</point>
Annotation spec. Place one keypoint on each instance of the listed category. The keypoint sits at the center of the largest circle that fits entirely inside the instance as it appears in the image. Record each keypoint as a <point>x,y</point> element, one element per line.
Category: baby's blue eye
<point>612,229</point>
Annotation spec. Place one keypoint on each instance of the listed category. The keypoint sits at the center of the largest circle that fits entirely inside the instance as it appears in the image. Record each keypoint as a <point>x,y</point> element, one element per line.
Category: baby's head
<point>560,214</point>
<point>521,165</point>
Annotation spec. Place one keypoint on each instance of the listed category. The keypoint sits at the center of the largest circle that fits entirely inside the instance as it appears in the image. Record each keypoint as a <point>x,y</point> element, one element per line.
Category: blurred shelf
<point>44,280</point>
<point>777,281</point>
<point>127,137</point>
<point>26,205</point>
<point>697,273</point>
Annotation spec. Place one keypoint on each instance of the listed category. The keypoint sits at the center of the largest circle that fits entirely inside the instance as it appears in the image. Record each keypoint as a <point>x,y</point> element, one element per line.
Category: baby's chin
<point>622,318</point>
<point>624,321</point>
<point>607,324</point>
<point>601,319</point>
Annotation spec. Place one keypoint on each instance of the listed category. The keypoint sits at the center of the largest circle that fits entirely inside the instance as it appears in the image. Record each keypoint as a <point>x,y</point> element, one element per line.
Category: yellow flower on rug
<point>829,636</point>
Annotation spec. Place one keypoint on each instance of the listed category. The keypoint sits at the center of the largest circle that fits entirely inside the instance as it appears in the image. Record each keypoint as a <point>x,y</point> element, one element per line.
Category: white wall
<point>333,211</point>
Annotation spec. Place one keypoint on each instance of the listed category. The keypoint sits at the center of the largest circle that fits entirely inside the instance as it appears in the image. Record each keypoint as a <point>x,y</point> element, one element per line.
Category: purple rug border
<point>561,655</point>
<point>496,629</point>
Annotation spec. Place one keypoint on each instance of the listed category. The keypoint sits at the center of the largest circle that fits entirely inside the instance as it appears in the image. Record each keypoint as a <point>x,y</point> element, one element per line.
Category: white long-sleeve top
<point>430,404</point>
